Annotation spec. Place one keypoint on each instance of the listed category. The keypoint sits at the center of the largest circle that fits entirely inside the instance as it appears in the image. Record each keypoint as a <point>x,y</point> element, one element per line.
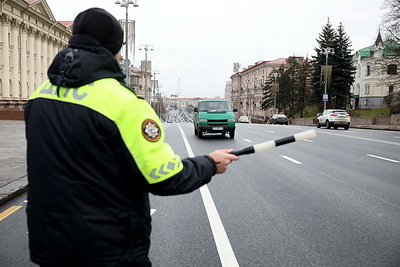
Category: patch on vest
<point>151,130</point>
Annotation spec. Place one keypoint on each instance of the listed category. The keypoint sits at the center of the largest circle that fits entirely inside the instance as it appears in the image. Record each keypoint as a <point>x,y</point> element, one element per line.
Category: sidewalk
<point>13,180</point>
<point>13,176</point>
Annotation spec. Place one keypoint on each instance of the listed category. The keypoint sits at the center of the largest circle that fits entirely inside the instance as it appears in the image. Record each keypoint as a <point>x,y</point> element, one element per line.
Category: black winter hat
<point>100,25</point>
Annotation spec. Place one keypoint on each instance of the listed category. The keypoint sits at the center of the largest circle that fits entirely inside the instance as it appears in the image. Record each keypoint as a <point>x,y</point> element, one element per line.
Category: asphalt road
<point>329,201</point>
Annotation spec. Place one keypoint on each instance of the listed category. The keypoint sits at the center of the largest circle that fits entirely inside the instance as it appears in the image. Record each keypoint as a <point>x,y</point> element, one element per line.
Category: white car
<point>334,118</point>
<point>243,119</point>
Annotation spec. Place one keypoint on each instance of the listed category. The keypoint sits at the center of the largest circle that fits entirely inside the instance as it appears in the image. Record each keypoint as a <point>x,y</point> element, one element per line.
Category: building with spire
<point>377,74</point>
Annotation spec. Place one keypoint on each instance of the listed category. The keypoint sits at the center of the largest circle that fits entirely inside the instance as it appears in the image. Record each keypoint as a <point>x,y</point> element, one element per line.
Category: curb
<point>376,127</point>
<point>13,190</point>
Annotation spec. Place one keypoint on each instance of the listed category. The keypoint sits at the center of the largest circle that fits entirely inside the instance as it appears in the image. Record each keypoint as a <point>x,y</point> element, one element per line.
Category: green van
<point>214,116</point>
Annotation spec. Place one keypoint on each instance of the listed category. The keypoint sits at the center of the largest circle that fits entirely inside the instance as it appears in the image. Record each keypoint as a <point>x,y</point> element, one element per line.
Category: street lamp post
<point>159,101</point>
<point>276,75</point>
<point>146,48</point>
<point>154,85</point>
<point>126,3</point>
<point>326,52</point>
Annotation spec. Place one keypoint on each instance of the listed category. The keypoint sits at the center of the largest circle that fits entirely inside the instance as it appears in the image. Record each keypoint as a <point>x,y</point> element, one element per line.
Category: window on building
<point>367,89</point>
<point>368,70</point>
<point>391,89</point>
<point>392,69</point>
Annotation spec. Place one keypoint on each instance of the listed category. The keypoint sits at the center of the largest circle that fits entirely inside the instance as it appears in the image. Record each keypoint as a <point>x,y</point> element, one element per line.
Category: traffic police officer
<point>94,152</point>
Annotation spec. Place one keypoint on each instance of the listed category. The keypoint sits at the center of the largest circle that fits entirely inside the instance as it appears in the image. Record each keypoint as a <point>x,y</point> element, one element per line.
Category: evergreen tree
<point>270,97</point>
<point>303,87</point>
<point>268,94</point>
<point>293,91</point>
<point>343,71</point>
<point>285,97</point>
<point>326,39</point>
<point>338,85</point>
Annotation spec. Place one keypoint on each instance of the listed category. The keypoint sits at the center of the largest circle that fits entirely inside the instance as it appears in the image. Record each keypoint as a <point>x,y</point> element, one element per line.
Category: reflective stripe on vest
<point>145,141</point>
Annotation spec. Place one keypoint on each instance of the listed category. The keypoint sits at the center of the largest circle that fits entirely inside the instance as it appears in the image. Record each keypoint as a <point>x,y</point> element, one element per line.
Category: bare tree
<point>391,20</point>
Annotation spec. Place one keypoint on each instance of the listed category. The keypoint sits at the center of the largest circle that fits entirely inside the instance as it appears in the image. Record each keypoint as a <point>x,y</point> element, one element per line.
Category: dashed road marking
<point>290,159</point>
<point>378,157</point>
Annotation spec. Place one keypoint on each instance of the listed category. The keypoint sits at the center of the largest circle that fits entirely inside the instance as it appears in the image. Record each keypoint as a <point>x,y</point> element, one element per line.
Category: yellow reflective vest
<point>138,124</point>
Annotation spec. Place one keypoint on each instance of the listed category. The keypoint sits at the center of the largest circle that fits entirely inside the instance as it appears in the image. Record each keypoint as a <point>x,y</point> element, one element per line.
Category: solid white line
<point>247,140</point>
<point>290,159</point>
<point>270,132</point>
<point>391,160</point>
<point>225,251</point>
<point>311,141</point>
<point>187,145</point>
<point>224,247</point>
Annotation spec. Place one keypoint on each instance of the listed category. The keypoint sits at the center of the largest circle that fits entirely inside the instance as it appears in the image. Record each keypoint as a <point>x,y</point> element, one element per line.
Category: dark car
<point>279,119</point>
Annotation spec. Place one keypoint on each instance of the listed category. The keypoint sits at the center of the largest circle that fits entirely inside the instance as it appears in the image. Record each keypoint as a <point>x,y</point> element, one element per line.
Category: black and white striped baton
<point>275,143</point>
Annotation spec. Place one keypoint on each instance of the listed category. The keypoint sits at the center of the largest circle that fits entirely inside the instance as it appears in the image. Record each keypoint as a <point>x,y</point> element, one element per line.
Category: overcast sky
<point>196,42</point>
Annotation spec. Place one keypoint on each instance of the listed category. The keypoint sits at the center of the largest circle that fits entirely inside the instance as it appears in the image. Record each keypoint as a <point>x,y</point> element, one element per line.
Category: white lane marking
<point>311,141</point>
<point>378,157</point>
<point>247,140</point>
<point>224,247</point>
<point>152,211</point>
<point>290,159</point>
<point>270,132</point>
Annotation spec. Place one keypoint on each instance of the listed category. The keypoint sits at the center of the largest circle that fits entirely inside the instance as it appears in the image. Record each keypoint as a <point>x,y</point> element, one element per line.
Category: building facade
<point>247,88</point>
<point>228,90</point>
<point>377,74</point>
<point>30,37</point>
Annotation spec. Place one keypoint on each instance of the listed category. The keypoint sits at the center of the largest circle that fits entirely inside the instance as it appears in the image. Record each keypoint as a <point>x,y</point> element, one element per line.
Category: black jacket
<point>89,178</point>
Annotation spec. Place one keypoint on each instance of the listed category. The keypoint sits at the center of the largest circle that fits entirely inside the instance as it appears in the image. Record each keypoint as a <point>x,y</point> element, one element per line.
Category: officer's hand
<point>223,158</point>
